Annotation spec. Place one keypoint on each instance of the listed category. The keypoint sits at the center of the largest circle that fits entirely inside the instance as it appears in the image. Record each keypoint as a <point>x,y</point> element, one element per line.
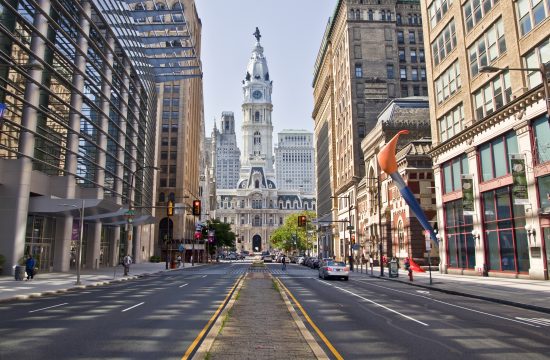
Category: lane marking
<point>183,285</point>
<point>49,307</point>
<point>131,307</point>
<point>375,303</point>
<point>457,306</point>
<point>539,321</point>
<point>204,276</point>
<point>312,324</point>
<point>200,336</point>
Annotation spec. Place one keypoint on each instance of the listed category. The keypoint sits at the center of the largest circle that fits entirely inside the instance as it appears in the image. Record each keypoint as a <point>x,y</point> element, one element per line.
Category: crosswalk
<point>536,321</point>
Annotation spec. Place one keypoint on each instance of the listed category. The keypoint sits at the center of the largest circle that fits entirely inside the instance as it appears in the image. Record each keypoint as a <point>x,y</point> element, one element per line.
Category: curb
<point>308,336</point>
<point>468,295</point>
<point>212,334</point>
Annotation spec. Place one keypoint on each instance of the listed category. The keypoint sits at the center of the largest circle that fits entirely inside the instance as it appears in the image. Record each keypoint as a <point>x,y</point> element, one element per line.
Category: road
<point>378,319</point>
<point>161,316</point>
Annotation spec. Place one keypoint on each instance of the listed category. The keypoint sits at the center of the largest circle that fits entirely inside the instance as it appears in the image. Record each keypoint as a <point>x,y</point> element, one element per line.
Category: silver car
<point>331,268</point>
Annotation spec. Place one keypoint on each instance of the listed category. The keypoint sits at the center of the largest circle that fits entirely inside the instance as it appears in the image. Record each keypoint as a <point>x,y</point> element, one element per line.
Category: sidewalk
<point>260,326</point>
<point>529,294</point>
<point>51,283</point>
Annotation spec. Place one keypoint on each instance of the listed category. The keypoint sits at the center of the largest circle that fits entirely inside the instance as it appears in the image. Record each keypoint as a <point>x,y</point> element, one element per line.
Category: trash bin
<point>19,272</point>
<point>393,269</point>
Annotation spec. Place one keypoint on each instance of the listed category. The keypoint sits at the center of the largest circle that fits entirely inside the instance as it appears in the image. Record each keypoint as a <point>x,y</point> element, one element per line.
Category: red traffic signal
<point>302,220</point>
<point>170,208</point>
<point>197,207</point>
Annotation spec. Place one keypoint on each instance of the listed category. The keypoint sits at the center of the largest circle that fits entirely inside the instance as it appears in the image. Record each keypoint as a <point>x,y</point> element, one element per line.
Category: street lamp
<point>79,256</point>
<point>130,199</point>
<point>543,72</point>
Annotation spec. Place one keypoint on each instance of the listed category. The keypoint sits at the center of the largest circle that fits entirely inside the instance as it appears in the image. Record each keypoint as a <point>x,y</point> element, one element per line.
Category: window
<point>452,171</point>
<point>487,48</point>
<point>383,15</point>
<point>506,237</point>
<point>531,13</point>
<point>164,141</point>
<point>423,74</point>
<point>257,116</point>
<point>475,10</point>
<point>495,156</point>
<point>412,37</point>
<point>401,236</point>
<point>413,56</point>
<point>451,123</point>
<point>162,197</point>
<point>357,51</point>
<point>460,241</point>
<point>257,138</point>
<point>448,83</point>
<point>358,71</point>
<point>398,19</point>
<point>371,15</point>
<point>403,73</point>
<point>390,71</point>
<point>400,37</point>
<point>416,90</point>
<point>404,91</point>
<point>421,55</point>
<point>164,155</point>
<point>495,94</point>
<point>444,43</point>
<point>173,155</point>
<point>401,55</point>
<point>414,74</point>
<point>542,139</point>
<point>533,59</point>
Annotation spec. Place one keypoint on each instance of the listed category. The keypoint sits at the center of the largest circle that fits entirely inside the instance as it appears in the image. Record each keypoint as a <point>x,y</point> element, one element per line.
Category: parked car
<point>331,268</point>
<point>232,256</point>
<point>300,260</point>
<point>267,258</point>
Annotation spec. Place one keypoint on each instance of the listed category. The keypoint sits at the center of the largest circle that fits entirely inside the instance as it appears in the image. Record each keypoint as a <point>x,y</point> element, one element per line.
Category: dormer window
<point>257,184</point>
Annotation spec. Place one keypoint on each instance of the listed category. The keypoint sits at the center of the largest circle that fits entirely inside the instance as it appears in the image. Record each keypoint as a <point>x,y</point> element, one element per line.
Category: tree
<point>223,236</point>
<point>290,236</point>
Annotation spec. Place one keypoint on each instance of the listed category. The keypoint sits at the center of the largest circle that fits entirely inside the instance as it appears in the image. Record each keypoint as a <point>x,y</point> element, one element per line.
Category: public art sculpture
<point>388,164</point>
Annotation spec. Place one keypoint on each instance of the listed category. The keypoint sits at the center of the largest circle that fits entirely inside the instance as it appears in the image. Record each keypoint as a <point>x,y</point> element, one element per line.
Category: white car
<point>331,268</point>
<point>300,260</point>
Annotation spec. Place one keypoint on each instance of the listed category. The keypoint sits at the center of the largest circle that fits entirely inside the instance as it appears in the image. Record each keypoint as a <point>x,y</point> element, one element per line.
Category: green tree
<point>291,237</point>
<point>223,236</point>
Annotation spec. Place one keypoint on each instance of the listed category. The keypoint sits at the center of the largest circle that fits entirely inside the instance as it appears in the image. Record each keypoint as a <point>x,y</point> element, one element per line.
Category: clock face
<point>257,94</point>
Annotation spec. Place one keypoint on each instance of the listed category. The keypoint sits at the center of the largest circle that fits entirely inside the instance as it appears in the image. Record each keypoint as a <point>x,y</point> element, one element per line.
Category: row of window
<point>385,15</point>
<point>437,10</point>
<point>444,43</point>
<point>414,55</point>
<point>412,37</point>
<point>487,48</point>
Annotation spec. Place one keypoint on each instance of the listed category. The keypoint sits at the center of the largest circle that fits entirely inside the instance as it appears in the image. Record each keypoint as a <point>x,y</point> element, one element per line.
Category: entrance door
<point>547,248</point>
<point>257,243</point>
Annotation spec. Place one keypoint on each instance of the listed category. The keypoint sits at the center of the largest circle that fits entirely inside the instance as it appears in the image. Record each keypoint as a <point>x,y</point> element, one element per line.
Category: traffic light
<point>302,220</point>
<point>197,207</point>
<point>170,208</point>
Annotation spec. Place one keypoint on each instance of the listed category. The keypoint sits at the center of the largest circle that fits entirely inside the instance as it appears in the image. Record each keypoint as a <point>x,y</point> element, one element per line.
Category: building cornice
<point>467,135</point>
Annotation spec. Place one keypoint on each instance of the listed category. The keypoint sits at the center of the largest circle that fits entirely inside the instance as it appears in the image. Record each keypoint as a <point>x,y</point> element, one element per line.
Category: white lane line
<point>204,276</point>
<point>454,305</point>
<point>131,307</point>
<point>49,307</point>
<point>183,285</point>
<point>375,303</point>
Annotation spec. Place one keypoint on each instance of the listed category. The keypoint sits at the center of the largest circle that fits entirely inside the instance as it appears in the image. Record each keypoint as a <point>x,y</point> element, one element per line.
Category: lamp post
<point>130,199</point>
<point>542,69</point>
<point>80,233</point>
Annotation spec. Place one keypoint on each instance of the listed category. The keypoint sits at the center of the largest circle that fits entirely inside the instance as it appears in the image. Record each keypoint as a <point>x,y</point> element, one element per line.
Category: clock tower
<point>257,128</point>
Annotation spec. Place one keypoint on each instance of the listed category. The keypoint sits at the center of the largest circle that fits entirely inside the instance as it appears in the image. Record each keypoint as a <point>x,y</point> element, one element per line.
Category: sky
<point>291,31</point>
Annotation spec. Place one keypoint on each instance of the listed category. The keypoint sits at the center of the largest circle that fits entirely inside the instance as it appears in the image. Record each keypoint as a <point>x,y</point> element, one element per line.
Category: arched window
<point>400,236</point>
<point>257,116</point>
<point>257,184</point>
<point>371,15</point>
<point>357,14</point>
<point>257,138</point>
<point>415,18</point>
<point>159,6</point>
<point>172,197</point>
<point>162,197</point>
<point>383,14</point>
<point>410,19</point>
<point>398,19</point>
<point>389,15</point>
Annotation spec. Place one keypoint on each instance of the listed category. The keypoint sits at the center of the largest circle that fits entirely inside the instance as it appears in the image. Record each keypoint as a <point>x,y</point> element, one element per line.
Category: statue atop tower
<point>257,34</point>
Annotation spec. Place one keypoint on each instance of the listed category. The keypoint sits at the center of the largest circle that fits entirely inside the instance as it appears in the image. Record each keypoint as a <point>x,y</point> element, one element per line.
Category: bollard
<point>410,274</point>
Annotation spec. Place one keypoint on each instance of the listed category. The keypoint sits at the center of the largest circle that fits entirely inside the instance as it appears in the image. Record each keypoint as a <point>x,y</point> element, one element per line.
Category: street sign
<point>350,227</point>
<point>356,247</point>
<point>181,248</point>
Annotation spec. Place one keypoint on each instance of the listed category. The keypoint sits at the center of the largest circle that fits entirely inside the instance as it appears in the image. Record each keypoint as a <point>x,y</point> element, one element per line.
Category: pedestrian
<point>283,260</point>
<point>29,267</point>
<point>407,263</point>
<point>126,263</point>
<point>179,260</point>
<point>371,263</point>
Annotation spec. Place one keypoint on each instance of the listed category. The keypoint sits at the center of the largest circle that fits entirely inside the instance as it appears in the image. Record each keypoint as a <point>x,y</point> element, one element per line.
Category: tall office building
<point>77,134</point>
<point>371,52</point>
<point>227,154</point>
<point>256,206</point>
<point>295,161</point>
<point>490,135</point>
